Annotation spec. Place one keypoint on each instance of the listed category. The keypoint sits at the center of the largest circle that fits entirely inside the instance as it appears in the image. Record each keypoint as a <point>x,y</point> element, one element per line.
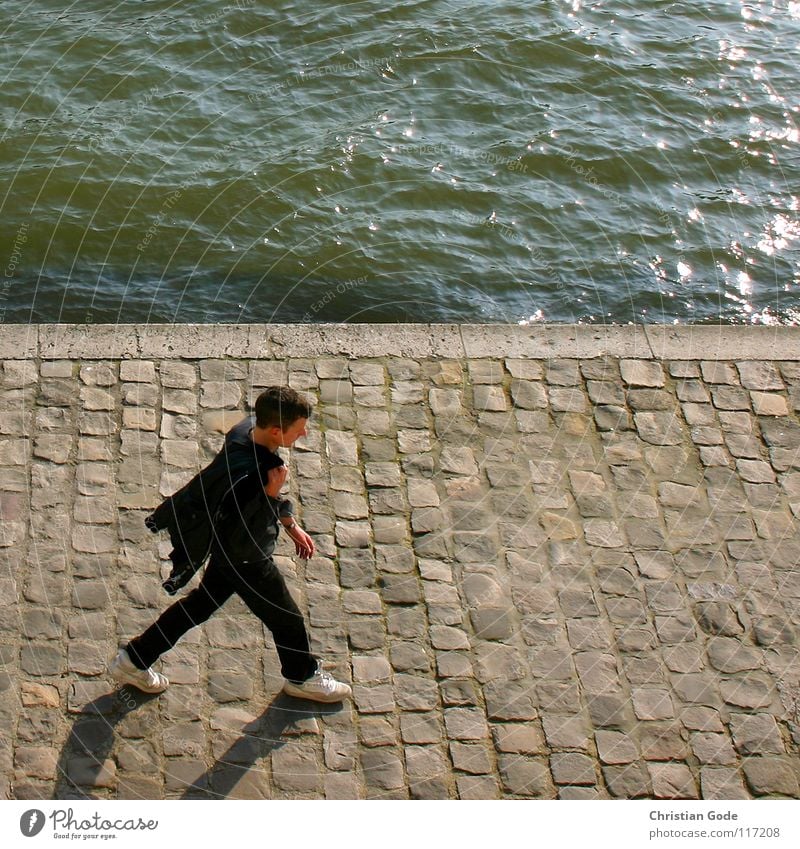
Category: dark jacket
<point>205,510</point>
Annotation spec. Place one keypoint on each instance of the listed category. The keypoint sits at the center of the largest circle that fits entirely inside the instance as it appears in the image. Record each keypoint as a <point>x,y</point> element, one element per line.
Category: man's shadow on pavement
<point>83,766</point>
<point>82,762</point>
<point>258,738</point>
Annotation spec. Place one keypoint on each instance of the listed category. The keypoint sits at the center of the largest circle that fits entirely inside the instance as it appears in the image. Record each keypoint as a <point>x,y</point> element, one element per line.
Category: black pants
<point>263,590</point>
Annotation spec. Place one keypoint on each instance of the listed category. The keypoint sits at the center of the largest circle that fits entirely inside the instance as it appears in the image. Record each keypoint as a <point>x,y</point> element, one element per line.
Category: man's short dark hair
<point>281,406</point>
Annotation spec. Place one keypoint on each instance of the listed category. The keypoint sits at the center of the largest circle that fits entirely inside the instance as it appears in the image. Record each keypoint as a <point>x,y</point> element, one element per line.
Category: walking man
<point>233,511</point>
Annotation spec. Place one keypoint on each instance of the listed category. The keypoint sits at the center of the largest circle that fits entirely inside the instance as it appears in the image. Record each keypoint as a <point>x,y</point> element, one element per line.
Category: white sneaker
<point>320,687</point>
<point>148,680</point>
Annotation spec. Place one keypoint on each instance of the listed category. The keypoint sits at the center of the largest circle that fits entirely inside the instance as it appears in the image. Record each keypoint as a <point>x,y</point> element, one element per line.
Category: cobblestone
<point>525,777</point>
<point>672,781</point>
<point>771,777</point>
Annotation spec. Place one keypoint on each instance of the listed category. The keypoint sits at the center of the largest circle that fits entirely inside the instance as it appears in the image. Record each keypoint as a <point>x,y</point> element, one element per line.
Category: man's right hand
<point>275,480</point>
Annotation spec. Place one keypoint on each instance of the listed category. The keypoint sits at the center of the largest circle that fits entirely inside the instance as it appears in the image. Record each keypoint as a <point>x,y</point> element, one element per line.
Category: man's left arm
<point>282,508</point>
<point>304,545</point>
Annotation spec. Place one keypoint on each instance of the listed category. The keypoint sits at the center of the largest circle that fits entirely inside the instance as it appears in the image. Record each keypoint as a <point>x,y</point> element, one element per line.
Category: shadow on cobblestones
<point>284,718</point>
<point>84,763</point>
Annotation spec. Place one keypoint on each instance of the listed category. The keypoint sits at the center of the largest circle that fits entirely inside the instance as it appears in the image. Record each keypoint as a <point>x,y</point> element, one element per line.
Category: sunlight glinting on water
<point>584,161</point>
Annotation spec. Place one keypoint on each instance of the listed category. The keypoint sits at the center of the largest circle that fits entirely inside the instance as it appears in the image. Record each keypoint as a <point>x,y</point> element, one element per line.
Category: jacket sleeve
<point>282,508</point>
<point>254,488</point>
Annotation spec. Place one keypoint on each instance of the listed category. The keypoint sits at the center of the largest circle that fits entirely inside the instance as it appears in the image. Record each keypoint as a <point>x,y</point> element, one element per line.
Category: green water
<point>428,161</point>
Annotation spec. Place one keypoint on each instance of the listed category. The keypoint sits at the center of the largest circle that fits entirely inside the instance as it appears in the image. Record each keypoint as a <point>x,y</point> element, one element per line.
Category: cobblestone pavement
<point>569,575</point>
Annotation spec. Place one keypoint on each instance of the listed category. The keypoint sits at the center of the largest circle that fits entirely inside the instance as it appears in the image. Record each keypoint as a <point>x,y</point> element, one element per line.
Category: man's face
<point>288,437</point>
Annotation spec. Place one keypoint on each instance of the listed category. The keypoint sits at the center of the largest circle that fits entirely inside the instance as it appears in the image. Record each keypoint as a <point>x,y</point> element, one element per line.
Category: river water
<point>482,160</point>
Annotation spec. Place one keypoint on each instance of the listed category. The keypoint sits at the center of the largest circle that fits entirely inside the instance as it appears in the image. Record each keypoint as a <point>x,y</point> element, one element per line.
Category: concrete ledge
<point>420,341</point>
<point>87,341</point>
<point>202,341</point>
<point>569,341</point>
<point>724,343</point>
<point>19,341</point>
<point>366,340</point>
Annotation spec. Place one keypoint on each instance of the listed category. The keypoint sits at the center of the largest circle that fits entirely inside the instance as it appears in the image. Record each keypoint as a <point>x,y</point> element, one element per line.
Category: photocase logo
<point>65,825</point>
<point>31,822</point>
